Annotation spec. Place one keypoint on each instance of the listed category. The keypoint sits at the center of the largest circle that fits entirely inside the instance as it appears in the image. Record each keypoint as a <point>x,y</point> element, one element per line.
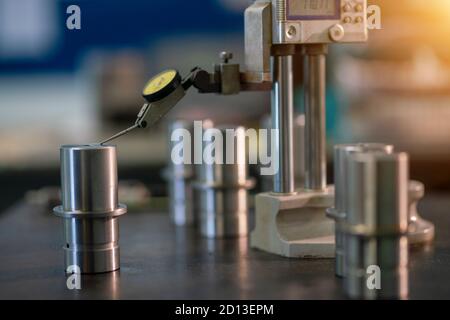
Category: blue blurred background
<point>35,39</point>
<point>76,86</point>
<point>61,86</point>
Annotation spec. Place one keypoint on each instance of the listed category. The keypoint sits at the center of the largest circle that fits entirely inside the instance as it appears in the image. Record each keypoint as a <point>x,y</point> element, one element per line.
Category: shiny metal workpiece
<point>179,177</point>
<point>315,113</point>
<point>266,181</point>
<point>376,226</point>
<point>341,156</point>
<point>222,188</point>
<point>282,121</point>
<point>299,152</point>
<point>90,207</point>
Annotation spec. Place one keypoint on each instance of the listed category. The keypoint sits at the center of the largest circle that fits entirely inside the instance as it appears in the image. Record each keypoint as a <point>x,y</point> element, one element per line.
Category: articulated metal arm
<point>167,89</point>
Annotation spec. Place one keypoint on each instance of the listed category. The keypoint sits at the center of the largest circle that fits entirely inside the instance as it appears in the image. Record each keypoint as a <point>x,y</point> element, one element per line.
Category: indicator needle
<point>122,133</point>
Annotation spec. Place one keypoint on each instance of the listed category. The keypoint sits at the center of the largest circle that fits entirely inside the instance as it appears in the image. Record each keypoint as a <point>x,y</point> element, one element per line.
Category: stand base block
<point>295,226</point>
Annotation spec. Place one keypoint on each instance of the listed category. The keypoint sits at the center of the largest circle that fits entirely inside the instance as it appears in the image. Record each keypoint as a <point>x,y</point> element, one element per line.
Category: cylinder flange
<point>90,207</point>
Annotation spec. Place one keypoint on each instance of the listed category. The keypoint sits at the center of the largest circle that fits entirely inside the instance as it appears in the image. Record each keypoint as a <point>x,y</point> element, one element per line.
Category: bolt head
<point>337,32</point>
<point>291,32</point>
<point>225,56</point>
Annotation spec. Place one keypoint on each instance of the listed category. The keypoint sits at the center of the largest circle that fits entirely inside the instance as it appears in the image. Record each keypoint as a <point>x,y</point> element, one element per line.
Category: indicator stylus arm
<point>202,80</point>
<point>225,81</point>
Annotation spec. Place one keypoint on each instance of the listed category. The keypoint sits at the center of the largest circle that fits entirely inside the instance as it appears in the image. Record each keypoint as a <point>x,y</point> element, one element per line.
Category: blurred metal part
<point>230,76</point>
<point>266,181</point>
<point>258,39</point>
<point>376,226</point>
<point>282,122</point>
<point>179,178</point>
<point>420,231</point>
<point>199,172</point>
<point>338,213</point>
<point>315,105</point>
<point>90,207</point>
<point>251,81</point>
<point>232,81</point>
<point>299,151</point>
<point>222,188</point>
<point>47,197</point>
<point>135,194</point>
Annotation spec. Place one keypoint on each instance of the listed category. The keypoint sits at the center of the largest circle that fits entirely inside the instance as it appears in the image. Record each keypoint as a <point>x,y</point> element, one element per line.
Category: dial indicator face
<point>162,85</point>
<point>313,9</point>
<point>159,82</point>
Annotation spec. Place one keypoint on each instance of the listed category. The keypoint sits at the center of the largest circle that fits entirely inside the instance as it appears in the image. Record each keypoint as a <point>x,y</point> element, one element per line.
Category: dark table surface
<point>159,261</point>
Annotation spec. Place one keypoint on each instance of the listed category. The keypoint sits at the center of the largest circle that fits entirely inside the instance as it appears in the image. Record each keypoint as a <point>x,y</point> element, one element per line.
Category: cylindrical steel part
<point>224,212</point>
<point>181,201</point>
<point>199,173</point>
<point>223,191</point>
<point>179,176</point>
<point>381,261</point>
<point>89,178</point>
<point>92,244</point>
<point>376,226</point>
<point>265,145</point>
<point>90,207</point>
<point>282,121</point>
<point>341,155</point>
<point>180,133</point>
<point>299,152</point>
<point>199,130</point>
<point>315,148</point>
<point>229,166</point>
<point>377,196</point>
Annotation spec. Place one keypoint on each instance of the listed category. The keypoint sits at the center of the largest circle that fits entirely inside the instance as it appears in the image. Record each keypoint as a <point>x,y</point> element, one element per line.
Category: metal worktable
<point>160,261</point>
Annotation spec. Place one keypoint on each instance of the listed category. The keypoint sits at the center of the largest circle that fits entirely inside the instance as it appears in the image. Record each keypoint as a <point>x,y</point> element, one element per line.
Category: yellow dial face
<point>159,82</point>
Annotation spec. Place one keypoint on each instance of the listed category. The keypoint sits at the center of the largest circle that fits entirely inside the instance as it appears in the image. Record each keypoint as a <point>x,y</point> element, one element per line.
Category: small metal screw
<point>292,32</point>
<point>226,56</point>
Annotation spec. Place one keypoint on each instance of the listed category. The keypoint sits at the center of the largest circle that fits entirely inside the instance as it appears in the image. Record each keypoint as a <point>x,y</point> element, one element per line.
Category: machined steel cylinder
<point>265,145</point>
<point>180,174</point>
<point>223,187</point>
<point>282,121</point>
<point>90,207</point>
<point>338,213</point>
<point>376,226</point>
<point>315,109</point>
<point>299,152</point>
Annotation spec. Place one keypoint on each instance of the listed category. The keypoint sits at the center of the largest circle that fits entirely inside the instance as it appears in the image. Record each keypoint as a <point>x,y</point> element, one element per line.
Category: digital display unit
<point>313,9</point>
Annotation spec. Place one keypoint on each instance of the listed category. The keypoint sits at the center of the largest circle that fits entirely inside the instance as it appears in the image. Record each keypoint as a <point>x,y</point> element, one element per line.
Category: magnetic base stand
<point>295,226</point>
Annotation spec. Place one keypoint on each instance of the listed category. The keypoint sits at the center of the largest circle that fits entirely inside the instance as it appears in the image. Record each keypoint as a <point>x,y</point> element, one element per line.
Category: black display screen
<point>313,9</point>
